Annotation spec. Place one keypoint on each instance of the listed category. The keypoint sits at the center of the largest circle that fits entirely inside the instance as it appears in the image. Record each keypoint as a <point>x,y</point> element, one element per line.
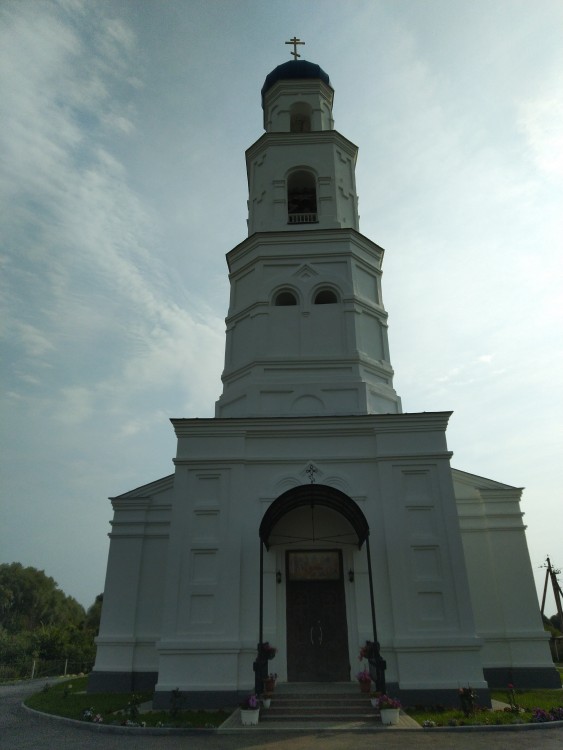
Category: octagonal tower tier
<point>306,327</point>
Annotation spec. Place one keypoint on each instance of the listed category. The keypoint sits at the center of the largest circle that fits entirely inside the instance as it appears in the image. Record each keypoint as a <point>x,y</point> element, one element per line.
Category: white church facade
<point>311,513</point>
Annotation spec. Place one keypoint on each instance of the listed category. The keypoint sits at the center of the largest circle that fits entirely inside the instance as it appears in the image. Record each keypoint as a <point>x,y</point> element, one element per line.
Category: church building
<point>311,513</point>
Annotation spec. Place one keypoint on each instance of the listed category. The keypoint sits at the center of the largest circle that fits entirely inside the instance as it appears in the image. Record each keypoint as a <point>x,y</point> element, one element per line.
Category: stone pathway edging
<point>498,727</point>
<point>117,729</point>
<point>232,725</point>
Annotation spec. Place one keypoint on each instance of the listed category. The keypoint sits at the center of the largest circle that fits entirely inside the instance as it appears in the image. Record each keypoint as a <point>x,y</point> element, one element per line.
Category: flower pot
<point>365,686</point>
<point>266,702</point>
<point>389,715</point>
<point>269,685</point>
<point>249,716</point>
<point>374,702</point>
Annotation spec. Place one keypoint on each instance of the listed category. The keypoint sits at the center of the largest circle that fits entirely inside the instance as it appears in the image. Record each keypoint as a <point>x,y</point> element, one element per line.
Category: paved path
<point>20,730</point>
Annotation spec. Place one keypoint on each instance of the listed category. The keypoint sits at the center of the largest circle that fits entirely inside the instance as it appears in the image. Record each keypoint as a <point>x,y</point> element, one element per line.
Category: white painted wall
<point>503,592</point>
<point>313,383</point>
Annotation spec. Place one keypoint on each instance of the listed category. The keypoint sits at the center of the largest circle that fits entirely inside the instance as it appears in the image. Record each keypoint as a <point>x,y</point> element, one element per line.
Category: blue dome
<point>292,70</point>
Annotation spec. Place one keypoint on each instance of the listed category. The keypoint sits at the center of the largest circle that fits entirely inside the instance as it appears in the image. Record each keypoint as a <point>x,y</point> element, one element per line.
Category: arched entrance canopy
<point>311,495</point>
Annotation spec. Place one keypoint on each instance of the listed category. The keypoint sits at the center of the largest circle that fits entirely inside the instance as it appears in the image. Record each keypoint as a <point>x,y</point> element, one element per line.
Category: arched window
<point>300,118</point>
<point>285,298</point>
<point>326,297</point>
<point>302,198</point>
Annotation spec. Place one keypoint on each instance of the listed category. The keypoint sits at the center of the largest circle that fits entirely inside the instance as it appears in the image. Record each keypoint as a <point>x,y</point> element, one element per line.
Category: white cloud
<point>34,341</point>
<point>541,119</point>
<point>76,405</point>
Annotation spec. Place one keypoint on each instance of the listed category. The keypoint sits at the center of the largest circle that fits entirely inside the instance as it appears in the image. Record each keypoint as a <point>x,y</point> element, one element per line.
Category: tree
<point>39,621</point>
<point>94,614</point>
<point>29,599</point>
<point>555,620</point>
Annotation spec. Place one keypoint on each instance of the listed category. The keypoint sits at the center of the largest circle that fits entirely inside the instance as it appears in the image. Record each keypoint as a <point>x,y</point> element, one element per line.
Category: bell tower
<point>306,326</point>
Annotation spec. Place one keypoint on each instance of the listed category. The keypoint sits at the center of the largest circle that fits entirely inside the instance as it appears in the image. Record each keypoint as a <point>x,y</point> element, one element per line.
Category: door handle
<point>320,633</point>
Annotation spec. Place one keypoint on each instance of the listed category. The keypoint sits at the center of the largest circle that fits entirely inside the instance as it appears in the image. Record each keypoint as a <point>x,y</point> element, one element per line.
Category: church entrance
<point>314,523</point>
<point>317,632</point>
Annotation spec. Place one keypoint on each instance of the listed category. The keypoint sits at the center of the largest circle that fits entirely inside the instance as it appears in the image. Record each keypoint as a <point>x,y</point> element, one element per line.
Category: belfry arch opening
<point>302,197</point>
<point>300,118</point>
<point>285,298</point>
<point>325,297</point>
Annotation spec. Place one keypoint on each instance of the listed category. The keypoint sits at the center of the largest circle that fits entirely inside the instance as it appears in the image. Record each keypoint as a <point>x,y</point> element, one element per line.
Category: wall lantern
<point>351,575</point>
<point>278,577</point>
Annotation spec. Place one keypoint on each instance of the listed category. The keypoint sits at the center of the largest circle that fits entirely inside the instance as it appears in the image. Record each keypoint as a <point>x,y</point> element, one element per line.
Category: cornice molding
<point>317,238</point>
<point>321,137</point>
<point>340,424</point>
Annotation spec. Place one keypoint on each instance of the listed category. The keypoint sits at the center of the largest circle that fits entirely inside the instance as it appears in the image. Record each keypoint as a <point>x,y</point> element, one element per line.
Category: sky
<point>123,186</point>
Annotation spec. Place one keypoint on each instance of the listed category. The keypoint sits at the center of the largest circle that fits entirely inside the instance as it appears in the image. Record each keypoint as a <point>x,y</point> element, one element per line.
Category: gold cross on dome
<point>295,41</point>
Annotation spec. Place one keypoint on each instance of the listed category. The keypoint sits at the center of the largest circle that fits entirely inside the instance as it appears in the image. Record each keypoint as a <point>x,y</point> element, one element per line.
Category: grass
<point>482,717</point>
<point>530,699</point>
<point>526,699</point>
<point>69,699</point>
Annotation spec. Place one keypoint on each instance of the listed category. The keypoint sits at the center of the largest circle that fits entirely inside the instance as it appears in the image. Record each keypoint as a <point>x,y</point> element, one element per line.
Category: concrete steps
<point>319,706</point>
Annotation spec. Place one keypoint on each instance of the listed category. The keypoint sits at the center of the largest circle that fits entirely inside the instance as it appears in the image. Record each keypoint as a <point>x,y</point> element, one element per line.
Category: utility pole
<point>551,575</point>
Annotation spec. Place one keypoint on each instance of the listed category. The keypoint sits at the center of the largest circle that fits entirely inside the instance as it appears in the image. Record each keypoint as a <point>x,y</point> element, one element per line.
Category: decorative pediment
<point>148,490</point>
<point>305,272</point>
<point>478,482</point>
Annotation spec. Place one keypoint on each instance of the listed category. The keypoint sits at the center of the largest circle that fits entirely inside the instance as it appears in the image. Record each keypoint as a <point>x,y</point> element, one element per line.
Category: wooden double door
<point>317,631</point>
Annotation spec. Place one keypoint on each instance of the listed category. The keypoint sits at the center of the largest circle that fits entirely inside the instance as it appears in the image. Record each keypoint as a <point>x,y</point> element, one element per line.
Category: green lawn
<point>70,699</point>
<point>528,700</point>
